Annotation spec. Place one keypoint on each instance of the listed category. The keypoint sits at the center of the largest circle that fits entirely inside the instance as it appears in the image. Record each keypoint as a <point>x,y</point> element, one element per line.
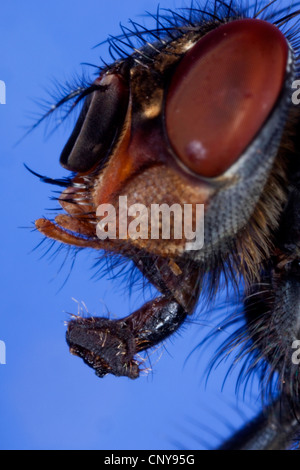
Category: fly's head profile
<point>200,114</point>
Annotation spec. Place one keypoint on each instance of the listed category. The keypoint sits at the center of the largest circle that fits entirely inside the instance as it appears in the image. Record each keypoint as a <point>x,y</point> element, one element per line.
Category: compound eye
<point>222,92</point>
<point>98,124</point>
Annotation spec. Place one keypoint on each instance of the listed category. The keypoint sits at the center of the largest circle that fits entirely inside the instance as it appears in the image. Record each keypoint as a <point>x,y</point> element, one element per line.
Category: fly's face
<point>200,115</point>
<point>189,121</point>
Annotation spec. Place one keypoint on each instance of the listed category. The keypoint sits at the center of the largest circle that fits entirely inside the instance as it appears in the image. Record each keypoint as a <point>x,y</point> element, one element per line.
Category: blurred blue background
<point>48,398</point>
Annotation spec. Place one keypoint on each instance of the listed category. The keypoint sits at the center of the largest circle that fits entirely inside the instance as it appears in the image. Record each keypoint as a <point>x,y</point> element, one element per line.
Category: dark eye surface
<point>97,125</point>
<point>222,92</point>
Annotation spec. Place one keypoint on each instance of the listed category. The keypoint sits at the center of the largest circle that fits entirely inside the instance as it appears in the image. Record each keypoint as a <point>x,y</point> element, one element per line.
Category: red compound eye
<point>223,91</point>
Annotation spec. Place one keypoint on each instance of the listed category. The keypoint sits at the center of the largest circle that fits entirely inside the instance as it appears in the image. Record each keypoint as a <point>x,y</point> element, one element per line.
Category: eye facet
<point>97,126</point>
<point>222,93</point>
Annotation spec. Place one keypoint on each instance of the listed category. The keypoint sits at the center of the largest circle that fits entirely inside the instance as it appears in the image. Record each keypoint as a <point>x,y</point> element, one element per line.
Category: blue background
<point>48,398</point>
